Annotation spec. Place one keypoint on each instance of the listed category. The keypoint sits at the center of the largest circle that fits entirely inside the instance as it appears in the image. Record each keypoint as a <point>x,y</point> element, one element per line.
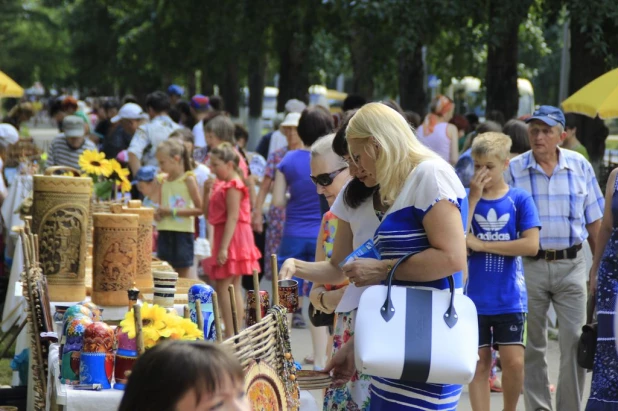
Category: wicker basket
<point>257,342</point>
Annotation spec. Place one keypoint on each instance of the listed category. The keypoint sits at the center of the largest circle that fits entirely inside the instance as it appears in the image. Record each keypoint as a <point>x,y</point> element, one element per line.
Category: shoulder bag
<point>416,334</point>
<point>587,345</point>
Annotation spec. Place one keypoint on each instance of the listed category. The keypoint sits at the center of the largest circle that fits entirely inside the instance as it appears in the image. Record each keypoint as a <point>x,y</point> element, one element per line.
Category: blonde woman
<point>426,215</point>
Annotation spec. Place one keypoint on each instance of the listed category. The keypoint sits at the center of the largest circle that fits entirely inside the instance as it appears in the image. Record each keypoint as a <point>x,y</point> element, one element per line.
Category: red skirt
<point>242,256</point>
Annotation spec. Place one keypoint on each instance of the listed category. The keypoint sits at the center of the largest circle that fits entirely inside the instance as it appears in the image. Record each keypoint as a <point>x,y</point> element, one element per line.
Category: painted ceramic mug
<point>250,314</point>
<point>288,294</point>
<point>203,293</point>
<point>126,356</point>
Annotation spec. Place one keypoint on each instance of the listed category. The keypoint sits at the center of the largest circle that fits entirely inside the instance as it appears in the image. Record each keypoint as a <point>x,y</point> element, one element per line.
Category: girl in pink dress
<point>227,208</point>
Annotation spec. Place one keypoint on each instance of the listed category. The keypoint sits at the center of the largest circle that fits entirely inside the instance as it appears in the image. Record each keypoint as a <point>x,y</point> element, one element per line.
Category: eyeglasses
<point>326,179</point>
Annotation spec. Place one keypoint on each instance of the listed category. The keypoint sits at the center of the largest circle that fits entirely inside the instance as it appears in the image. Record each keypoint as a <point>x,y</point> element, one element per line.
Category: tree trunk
<point>230,91</point>
<point>502,56</point>
<point>257,80</point>
<point>361,56</point>
<point>412,94</point>
<point>207,87</point>
<point>585,67</point>
<point>293,73</point>
<point>191,85</point>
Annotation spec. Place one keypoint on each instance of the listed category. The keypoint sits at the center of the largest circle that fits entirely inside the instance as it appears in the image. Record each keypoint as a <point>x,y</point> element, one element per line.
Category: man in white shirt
<point>200,106</point>
<point>147,138</point>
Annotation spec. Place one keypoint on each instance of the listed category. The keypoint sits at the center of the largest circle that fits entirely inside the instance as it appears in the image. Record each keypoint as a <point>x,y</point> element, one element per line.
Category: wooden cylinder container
<point>115,258</point>
<point>143,275</point>
<point>60,218</point>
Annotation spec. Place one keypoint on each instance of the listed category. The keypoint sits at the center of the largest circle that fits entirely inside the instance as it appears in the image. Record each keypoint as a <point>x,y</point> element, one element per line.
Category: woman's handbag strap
<point>388,309</point>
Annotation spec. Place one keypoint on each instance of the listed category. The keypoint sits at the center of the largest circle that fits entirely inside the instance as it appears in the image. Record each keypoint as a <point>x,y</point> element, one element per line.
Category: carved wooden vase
<point>143,276</point>
<point>115,258</point>
<point>60,218</point>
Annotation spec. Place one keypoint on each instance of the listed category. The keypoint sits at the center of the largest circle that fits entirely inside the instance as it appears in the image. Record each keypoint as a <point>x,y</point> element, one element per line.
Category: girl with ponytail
<point>227,208</point>
<point>180,203</point>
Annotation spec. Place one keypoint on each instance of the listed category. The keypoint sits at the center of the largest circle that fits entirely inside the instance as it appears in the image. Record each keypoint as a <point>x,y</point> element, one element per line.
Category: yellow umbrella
<point>597,98</point>
<point>9,88</point>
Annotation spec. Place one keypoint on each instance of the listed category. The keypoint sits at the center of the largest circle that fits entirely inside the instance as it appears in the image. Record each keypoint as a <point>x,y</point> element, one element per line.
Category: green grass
<point>611,144</point>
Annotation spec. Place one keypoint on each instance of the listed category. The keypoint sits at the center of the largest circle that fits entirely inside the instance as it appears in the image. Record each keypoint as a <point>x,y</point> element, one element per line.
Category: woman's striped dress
<point>401,232</point>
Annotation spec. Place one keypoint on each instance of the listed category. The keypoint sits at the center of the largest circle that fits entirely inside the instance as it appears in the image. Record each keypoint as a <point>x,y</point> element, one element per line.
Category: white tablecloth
<point>109,400</point>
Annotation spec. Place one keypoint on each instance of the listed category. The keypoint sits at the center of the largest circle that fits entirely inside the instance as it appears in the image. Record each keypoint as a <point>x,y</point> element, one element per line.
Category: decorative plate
<point>264,388</point>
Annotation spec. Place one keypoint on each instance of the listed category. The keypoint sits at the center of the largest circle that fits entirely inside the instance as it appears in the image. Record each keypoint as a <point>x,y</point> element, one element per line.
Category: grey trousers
<point>562,283</point>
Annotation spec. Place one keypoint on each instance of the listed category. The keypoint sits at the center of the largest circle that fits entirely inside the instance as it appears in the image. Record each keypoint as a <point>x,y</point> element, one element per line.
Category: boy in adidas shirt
<point>504,225</point>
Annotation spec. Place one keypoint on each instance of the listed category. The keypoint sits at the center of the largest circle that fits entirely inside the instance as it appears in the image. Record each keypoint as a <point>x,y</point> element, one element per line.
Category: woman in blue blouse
<point>426,216</point>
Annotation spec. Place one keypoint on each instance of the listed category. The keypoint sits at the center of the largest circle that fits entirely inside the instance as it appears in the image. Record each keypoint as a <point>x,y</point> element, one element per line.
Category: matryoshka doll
<point>71,350</point>
<point>96,310</point>
<point>97,356</point>
<point>69,314</point>
<point>203,293</point>
<point>126,355</point>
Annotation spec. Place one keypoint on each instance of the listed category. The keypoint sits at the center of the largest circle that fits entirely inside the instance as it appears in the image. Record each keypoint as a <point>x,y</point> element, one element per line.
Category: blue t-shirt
<point>496,282</point>
<point>303,215</point>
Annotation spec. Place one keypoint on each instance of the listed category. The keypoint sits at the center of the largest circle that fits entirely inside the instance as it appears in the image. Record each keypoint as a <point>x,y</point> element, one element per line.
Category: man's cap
<point>145,173</point>
<point>130,111</point>
<point>295,106</point>
<point>73,126</point>
<point>175,90</point>
<point>550,115</point>
<point>8,134</point>
<point>200,102</point>
<point>291,120</point>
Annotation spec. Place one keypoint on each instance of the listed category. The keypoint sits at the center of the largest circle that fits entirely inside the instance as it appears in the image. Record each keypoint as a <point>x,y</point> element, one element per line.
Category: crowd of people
<point>505,207</point>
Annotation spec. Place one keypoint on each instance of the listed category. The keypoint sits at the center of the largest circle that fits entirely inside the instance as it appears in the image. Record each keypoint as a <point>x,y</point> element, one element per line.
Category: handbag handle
<point>388,309</point>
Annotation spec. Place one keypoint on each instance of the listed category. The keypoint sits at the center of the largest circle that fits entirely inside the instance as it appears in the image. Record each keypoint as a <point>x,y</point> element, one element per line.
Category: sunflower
<point>124,184</point>
<point>118,173</point>
<point>93,162</point>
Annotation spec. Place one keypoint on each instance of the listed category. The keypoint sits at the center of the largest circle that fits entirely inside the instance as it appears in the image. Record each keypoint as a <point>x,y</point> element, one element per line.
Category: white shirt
<point>198,134</point>
<point>363,220</point>
<point>148,137</point>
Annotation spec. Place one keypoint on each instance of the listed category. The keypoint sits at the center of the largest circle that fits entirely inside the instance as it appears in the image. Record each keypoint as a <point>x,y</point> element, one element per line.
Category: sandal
<point>495,384</point>
<point>298,321</point>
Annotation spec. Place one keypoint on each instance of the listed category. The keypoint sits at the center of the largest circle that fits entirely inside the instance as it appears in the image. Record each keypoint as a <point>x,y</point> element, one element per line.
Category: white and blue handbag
<point>416,334</point>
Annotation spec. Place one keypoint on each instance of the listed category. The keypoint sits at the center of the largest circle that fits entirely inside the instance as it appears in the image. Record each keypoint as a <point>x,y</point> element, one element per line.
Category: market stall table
<point>108,400</point>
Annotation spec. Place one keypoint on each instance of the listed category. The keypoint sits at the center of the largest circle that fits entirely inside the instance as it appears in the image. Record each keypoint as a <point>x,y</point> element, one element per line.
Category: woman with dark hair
<point>20,113</point>
<point>358,209</point>
<point>518,131</point>
<point>463,128</point>
<point>185,376</point>
<point>302,209</point>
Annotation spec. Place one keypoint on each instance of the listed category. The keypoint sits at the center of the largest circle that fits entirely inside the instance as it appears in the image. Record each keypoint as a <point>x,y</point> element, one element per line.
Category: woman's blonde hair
<point>400,150</point>
<point>323,147</point>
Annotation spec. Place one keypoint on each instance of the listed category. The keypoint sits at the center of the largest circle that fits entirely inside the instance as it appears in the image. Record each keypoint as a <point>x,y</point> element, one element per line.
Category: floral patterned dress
<point>275,217</point>
<point>355,394</point>
<point>604,388</point>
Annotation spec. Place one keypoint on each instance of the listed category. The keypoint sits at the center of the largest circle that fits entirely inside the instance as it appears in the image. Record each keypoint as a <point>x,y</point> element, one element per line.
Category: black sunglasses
<point>326,179</point>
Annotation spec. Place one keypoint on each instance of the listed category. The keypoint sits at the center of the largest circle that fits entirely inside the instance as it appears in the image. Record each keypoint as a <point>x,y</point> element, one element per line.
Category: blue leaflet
<point>367,250</point>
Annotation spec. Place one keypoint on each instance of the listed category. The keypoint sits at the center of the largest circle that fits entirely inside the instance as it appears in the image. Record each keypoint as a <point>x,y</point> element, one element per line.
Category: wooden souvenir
<point>60,219</point>
<point>115,258</point>
<point>96,310</point>
<point>143,275</point>
<point>71,351</point>
<point>264,388</point>
<point>97,355</point>
<point>126,355</point>
<point>164,297</point>
<point>252,315</point>
<point>204,294</point>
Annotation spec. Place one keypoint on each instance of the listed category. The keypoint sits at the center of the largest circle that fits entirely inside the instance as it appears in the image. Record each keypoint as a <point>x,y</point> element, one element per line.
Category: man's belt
<point>555,255</point>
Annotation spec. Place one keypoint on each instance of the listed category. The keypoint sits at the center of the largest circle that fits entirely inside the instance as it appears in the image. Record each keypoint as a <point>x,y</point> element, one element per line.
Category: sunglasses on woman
<point>326,179</point>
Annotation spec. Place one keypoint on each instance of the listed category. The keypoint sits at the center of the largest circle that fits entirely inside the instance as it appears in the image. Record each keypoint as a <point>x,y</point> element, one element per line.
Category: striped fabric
<point>567,201</point>
<point>401,232</point>
<point>60,154</point>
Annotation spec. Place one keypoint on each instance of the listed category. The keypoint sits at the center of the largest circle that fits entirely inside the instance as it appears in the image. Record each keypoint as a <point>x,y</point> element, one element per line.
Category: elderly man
<point>147,138</point>
<point>66,148</point>
<point>124,125</point>
<point>570,204</point>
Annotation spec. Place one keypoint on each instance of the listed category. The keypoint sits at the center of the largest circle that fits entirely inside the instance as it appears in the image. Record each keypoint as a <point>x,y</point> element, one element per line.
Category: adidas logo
<point>492,224</point>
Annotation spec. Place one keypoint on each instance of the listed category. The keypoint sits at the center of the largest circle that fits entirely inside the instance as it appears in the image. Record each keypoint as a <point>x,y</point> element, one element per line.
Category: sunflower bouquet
<point>108,176</point>
<point>159,324</point>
